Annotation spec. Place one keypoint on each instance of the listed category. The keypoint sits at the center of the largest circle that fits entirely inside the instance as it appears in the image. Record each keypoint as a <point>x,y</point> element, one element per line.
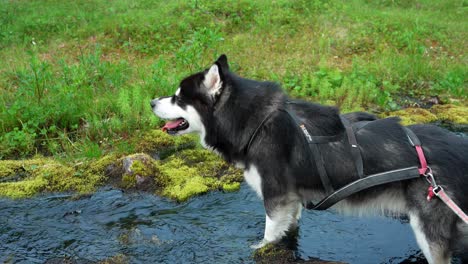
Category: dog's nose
<point>153,103</point>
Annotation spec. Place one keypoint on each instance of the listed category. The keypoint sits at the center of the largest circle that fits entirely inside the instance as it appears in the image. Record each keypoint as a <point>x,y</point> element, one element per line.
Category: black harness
<point>364,181</point>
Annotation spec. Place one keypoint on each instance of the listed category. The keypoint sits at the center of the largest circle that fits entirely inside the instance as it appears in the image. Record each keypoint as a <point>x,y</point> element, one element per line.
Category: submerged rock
<point>118,259</point>
<point>280,254</point>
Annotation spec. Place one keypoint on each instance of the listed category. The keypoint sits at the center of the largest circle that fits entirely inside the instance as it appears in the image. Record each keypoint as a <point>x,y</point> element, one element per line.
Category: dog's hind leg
<point>434,242</point>
<point>280,218</point>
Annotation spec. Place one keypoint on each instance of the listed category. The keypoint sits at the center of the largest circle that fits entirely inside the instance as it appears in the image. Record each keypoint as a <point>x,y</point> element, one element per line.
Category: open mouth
<point>174,126</point>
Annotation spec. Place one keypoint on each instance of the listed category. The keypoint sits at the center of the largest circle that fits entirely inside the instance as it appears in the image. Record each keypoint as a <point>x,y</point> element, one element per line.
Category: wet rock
<point>139,172</point>
<point>67,260</point>
<point>118,259</point>
<point>280,254</point>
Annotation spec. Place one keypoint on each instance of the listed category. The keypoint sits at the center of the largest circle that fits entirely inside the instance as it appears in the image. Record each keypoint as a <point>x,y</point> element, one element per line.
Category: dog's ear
<point>213,81</point>
<point>222,62</point>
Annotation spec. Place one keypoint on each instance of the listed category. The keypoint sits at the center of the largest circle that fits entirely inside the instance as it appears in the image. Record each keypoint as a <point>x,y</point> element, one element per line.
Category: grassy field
<point>76,77</point>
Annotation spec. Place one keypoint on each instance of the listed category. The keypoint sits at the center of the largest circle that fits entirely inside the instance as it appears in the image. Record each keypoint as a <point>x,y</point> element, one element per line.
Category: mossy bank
<point>453,116</point>
<point>174,167</point>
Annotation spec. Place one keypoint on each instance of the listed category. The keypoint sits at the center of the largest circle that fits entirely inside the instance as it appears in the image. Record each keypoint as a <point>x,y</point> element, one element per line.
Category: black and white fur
<point>225,110</point>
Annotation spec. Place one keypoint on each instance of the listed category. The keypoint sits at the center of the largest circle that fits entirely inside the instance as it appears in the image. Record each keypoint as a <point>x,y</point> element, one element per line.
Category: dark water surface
<point>215,228</point>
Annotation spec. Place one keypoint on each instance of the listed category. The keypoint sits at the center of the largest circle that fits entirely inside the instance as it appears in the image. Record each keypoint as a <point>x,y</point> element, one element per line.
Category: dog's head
<point>194,101</point>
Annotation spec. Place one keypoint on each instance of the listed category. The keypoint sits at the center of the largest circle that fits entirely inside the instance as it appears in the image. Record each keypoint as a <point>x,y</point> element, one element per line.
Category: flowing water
<point>214,228</point>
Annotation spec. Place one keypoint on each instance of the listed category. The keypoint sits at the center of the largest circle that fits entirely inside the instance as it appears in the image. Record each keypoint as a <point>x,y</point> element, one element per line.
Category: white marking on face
<point>252,177</point>
<point>166,109</point>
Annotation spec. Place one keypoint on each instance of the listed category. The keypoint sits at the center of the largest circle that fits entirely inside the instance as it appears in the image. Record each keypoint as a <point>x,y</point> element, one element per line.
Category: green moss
<point>232,175</point>
<point>128,181</point>
<point>453,113</point>
<point>92,174</point>
<point>193,172</point>
<point>231,187</point>
<point>142,168</point>
<point>99,166</point>
<point>39,174</point>
<point>44,174</point>
<point>265,250</point>
<point>411,116</point>
<point>8,167</point>
<point>181,181</point>
<point>190,187</point>
<point>25,188</point>
<point>12,167</point>
<point>273,253</point>
<point>184,174</point>
<point>156,140</point>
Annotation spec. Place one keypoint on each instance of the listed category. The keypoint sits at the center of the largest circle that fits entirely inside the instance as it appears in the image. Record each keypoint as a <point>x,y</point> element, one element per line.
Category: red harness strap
<point>434,188</point>
<point>422,160</point>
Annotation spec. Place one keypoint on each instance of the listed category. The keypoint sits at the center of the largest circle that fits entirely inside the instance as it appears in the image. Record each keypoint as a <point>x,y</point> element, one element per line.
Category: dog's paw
<point>260,244</point>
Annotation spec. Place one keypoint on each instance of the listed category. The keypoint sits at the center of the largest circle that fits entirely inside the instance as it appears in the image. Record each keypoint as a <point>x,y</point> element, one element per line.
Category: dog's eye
<point>178,99</point>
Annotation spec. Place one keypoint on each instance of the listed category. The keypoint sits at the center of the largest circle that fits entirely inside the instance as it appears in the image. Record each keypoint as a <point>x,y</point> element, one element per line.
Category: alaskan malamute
<point>240,120</point>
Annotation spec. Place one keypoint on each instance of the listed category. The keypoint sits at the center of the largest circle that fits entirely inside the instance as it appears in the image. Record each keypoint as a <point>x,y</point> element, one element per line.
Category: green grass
<point>76,77</point>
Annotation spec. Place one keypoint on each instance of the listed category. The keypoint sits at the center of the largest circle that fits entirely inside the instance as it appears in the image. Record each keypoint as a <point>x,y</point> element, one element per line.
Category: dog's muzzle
<point>153,103</point>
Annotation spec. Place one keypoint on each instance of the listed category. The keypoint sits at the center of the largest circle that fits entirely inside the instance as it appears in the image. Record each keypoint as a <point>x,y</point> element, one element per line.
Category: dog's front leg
<point>280,217</point>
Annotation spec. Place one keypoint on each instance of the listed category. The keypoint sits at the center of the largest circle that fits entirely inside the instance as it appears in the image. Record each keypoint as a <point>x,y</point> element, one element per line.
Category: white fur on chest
<point>252,177</point>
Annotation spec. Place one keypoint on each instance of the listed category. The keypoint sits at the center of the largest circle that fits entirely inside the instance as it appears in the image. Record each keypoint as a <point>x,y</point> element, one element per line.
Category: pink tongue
<point>172,124</point>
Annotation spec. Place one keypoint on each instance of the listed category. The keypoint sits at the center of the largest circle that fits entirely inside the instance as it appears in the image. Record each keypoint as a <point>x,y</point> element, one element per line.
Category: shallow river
<point>215,228</point>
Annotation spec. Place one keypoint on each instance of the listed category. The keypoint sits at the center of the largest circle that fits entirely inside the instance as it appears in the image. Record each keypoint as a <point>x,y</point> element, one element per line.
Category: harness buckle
<point>430,177</point>
<point>437,189</point>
